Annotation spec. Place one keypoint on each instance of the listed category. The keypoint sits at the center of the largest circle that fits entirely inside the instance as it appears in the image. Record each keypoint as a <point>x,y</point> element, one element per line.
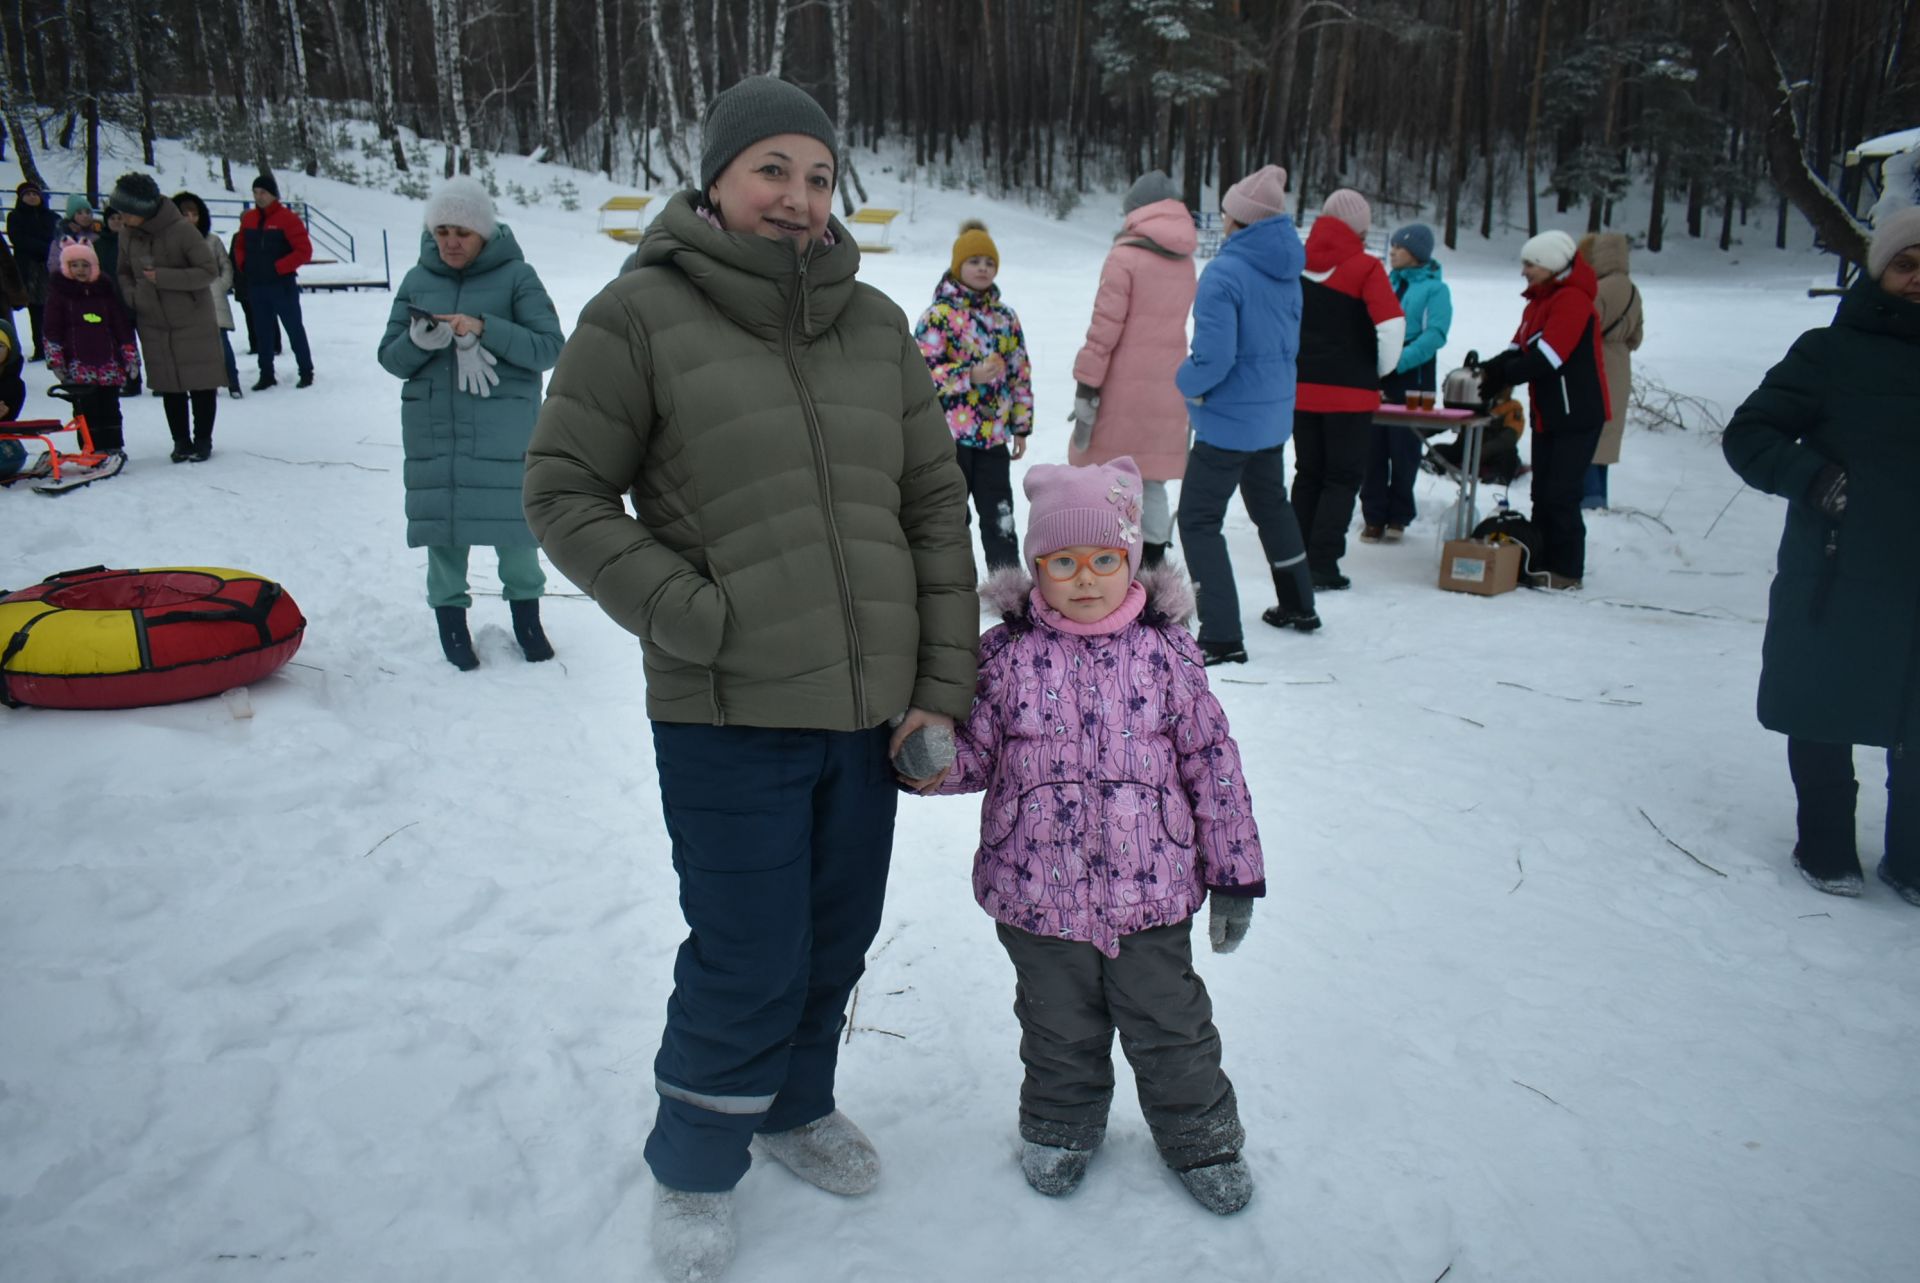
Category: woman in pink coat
<point>1126,403</point>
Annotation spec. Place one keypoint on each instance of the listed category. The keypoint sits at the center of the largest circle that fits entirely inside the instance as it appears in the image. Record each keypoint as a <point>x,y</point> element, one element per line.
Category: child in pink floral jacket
<point>978,357</point>
<point>1115,805</point>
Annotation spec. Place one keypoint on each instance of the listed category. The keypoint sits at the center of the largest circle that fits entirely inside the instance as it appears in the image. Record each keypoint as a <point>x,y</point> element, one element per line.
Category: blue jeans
<point>781,840</point>
<point>1594,495</point>
<point>233,366</point>
<point>1386,496</point>
<point>275,304</point>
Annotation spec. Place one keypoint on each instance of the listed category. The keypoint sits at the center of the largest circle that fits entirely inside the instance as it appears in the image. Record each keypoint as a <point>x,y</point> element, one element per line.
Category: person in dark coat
<point>1832,429</point>
<point>31,225</point>
<point>268,252</point>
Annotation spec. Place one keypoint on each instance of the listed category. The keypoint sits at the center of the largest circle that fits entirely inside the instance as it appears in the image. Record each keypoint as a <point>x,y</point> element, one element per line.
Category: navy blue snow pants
<point>781,839</point>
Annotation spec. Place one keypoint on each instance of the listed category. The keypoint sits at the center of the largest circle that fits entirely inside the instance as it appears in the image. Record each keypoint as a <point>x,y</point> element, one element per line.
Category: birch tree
<point>302,100</point>
<point>10,108</point>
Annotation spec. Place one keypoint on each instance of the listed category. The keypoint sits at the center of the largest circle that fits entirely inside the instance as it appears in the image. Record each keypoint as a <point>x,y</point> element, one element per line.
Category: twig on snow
<point>383,841</point>
<point>1815,915</point>
<point>1573,699</point>
<point>1541,1094</point>
<point>1523,875</point>
<point>1645,516</point>
<point>1723,512</point>
<point>1468,720</point>
<point>1676,846</point>
<point>1691,614</point>
<point>873,1029</point>
<point>1443,1273</point>
<point>852,1006</point>
<point>1330,681</point>
<point>313,463</point>
<point>1241,681</point>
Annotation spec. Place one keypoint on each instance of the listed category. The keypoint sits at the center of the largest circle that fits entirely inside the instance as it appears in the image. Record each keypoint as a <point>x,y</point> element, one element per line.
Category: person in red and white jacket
<point>1351,329</point>
<point>271,247</point>
<point>1556,352</point>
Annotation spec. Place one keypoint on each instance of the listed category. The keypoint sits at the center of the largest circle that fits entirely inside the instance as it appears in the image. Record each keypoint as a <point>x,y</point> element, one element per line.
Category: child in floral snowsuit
<point>978,357</point>
<point>1115,805</point>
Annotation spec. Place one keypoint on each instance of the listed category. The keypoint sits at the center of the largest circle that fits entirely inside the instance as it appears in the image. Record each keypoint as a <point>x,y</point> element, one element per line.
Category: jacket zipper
<point>818,439</point>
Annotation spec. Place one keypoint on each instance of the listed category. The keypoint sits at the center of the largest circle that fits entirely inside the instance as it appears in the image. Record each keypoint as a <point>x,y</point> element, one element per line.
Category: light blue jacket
<point>1239,378</point>
<point>1428,303</point>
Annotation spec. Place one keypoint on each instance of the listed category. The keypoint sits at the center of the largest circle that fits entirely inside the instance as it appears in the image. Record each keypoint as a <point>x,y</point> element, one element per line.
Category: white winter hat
<point>463,202</point>
<point>1552,250</point>
<point>1893,235</point>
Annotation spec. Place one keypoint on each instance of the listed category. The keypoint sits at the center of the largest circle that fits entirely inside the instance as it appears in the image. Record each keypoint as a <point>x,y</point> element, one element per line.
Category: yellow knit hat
<point>973,243</point>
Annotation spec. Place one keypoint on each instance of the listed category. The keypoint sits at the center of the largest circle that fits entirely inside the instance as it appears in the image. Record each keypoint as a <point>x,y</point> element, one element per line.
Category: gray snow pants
<point>1070,997</point>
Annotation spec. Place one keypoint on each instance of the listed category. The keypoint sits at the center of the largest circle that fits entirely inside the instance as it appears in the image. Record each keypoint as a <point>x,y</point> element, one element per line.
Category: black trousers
<point>1260,476</point>
<point>1824,787</point>
<point>1329,463</point>
<point>990,484</point>
<point>1560,460</point>
<point>101,408</point>
<point>204,402</point>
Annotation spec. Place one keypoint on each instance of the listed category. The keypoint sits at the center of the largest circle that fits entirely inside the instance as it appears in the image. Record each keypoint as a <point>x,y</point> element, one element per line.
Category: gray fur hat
<point>463,202</point>
<point>755,108</point>
<point>1147,189</point>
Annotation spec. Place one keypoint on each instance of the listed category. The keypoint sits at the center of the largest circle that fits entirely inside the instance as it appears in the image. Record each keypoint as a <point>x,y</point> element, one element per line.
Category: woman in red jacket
<point>1556,353</point>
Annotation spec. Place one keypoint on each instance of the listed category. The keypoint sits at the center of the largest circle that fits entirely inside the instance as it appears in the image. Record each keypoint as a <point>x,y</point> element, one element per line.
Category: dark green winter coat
<point>1843,626</point>
<point>801,557</point>
<point>465,454</point>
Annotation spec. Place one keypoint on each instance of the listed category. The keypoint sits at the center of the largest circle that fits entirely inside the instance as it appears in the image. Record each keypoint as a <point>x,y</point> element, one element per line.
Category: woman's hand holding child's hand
<point>1228,920</point>
<point>936,744</point>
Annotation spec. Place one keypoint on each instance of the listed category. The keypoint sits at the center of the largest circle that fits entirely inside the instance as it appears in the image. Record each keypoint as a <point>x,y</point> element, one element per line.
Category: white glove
<point>1085,408</point>
<point>429,336</point>
<point>476,366</point>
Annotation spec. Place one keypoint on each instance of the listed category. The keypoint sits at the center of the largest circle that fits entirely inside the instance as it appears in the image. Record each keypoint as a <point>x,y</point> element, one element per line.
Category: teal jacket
<point>1428,303</point>
<point>466,455</point>
<point>1842,652</point>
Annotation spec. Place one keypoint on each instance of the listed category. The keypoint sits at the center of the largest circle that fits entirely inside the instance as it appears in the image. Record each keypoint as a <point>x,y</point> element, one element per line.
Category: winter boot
<point>1053,1170</point>
<point>455,641</point>
<point>1153,554</point>
<point>1232,652</point>
<point>265,381</point>
<point>829,1152</point>
<point>305,380</point>
<point>1331,581</point>
<point>692,1234</point>
<point>182,446</point>
<point>527,631</point>
<point>1300,621</point>
<point>1826,851</point>
<point>1908,891</point>
<point>1370,533</point>
<point>1222,1186</point>
<point>1831,877</point>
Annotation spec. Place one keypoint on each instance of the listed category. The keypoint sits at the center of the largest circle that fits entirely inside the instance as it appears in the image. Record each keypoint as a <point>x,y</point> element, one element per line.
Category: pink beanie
<point>1098,506</point>
<point>78,250</point>
<point>1261,194</point>
<point>1351,208</point>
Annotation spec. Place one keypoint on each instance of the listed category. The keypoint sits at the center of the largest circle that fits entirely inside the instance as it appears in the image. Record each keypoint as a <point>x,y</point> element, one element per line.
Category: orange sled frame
<point>40,429</point>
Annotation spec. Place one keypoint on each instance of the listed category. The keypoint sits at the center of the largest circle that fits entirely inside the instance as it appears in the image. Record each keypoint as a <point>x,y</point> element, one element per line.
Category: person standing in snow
<point>166,275</point>
<point>1832,429</point>
<point>1386,497</point>
<point>978,358</point>
<point>1095,889</point>
<point>1351,333</point>
<point>31,226</point>
<point>1622,327</point>
<point>1125,400</point>
<point>195,211</point>
<point>79,227</point>
<point>90,343</point>
<point>269,250</point>
<point>798,570</point>
<point>471,330</point>
<point>1556,353</point>
<point>1239,386</point>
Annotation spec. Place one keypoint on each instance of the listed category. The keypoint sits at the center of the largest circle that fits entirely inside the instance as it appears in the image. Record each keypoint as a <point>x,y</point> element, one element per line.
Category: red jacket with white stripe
<point>1560,360</point>
<point>1351,325</point>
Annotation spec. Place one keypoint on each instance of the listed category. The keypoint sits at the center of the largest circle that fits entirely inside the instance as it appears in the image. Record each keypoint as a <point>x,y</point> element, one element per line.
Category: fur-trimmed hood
<point>1008,593</point>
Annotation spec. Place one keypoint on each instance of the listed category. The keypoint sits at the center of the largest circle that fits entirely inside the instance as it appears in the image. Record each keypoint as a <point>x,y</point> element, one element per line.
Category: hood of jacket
<point>1405,278</point>
<point>958,293</point>
<point>497,252</point>
<point>1008,593</point>
<point>1610,253</point>
<point>1579,278</point>
<point>1167,224</point>
<point>1270,246</point>
<point>1869,308</point>
<point>1330,243</point>
<point>755,281</point>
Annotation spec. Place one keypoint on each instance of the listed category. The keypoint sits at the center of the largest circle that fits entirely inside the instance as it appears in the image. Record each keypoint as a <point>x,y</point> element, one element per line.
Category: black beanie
<point>136,194</point>
<point>265,183</point>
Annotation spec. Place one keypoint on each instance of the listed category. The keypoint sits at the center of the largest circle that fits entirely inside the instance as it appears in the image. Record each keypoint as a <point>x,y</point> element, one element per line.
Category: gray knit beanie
<point>1893,235</point>
<point>136,194</point>
<point>1149,188</point>
<point>755,108</point>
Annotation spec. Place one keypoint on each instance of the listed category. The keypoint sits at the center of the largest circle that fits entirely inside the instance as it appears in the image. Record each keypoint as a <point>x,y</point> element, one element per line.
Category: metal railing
<point>326,233</point>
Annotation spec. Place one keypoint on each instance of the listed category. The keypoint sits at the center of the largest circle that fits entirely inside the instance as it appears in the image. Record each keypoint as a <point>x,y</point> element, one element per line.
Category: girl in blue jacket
<point>1386,498</point>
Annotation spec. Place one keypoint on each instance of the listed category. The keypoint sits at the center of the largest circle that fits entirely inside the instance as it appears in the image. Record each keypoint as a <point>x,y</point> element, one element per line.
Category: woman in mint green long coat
<point>471,332</point>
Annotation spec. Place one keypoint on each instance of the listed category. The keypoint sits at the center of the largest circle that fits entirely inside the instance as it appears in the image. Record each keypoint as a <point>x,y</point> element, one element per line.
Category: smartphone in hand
<point>421,314</point>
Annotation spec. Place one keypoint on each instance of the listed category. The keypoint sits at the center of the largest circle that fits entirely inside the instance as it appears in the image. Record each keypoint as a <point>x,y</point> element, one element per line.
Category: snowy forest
<point>1728,111</point>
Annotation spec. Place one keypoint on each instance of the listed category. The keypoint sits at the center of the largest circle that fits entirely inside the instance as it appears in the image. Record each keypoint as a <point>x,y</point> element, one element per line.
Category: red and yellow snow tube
<point>100,638</point>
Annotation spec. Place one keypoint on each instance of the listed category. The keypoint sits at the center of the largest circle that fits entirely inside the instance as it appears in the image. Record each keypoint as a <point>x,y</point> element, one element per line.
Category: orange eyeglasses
<point>1062,566</point>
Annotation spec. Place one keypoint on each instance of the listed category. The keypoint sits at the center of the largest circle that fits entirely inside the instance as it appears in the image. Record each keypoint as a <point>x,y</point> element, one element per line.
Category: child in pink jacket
<point>1115,805</point>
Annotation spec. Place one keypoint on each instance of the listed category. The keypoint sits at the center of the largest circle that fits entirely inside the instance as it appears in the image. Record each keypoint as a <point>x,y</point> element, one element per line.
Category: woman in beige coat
<point>166,274</point>
<point>195,211</point>
<point>1618,304</point>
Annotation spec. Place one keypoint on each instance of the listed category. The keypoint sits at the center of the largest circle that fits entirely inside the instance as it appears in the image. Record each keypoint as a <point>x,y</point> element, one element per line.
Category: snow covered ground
<point>367,986</point>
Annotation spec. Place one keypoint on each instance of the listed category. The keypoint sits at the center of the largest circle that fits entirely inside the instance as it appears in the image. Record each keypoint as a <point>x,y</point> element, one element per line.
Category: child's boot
<point>692,1234</point>
<point>829,1153</point>
<point>527,631</point>
<point>1053,1170</point>
<point>455,641</point>
<point>1222,1185</point>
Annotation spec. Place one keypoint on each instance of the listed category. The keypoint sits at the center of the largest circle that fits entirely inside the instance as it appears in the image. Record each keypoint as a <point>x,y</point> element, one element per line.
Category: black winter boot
<point>455,640</point>
<point>527,631</point>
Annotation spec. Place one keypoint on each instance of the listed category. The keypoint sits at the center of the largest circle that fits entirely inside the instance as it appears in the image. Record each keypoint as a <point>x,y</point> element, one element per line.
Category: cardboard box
<point>1467,565</point>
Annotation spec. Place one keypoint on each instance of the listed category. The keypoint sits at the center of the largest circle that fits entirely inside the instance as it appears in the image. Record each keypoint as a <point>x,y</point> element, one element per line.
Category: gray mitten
<point>1086,405</point>
<point>1228,920</point>
<point>926,753</point>
<point>429,336</point>
<point>476,374</point>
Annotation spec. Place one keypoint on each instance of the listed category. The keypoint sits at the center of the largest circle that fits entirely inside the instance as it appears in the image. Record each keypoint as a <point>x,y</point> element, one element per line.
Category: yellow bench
<point>866,216</point>
<point>620,217</point>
